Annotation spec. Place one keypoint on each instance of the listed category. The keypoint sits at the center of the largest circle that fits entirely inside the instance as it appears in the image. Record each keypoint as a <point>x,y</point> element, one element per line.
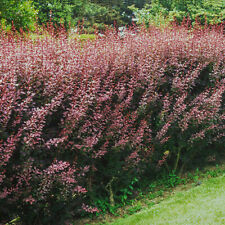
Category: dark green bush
<point>21,14</point>
<point>72,12</point>
<point>161,12</point>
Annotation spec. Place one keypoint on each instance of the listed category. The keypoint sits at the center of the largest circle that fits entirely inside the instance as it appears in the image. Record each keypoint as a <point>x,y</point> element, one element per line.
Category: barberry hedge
<point>79,120</point>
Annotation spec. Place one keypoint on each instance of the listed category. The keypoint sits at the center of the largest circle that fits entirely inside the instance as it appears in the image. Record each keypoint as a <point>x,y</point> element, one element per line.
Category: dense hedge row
<point>80,120</point>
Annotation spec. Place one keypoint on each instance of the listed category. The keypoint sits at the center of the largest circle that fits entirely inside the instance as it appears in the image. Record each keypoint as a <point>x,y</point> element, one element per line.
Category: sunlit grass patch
<point>83,37</point>
<point>204,204</point>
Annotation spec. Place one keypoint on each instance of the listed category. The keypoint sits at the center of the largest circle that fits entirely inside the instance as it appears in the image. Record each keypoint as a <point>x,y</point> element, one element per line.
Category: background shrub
<point>74,12</point>
<point>161,12</point>
<point>22,13</point>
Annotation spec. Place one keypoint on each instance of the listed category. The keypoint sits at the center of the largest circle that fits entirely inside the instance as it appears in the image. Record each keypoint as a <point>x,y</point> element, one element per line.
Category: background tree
<point>59,11</point>
<point>165,11</point>
<point>21,12</point>
<point>72,11</point>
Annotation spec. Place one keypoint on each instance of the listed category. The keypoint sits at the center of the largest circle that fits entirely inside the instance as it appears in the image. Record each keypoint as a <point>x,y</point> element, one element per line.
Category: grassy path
<point>204,204</point>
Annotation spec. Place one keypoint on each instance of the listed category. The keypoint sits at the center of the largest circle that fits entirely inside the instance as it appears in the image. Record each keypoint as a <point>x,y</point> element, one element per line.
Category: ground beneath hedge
<point>192,203</point>
<point>203,204</point>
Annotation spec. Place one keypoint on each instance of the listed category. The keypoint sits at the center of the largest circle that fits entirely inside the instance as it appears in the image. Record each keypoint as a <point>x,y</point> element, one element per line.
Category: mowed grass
<point>203,204</point>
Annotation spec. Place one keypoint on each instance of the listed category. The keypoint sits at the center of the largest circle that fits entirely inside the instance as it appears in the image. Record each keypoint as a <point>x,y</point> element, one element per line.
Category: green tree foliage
<point>21,12</point>
<point>58,11</point>
<point>99,13</point>
<point>165,11</point>
<point>95,14</point>
<point>123,6</point>
<point>72,11</point>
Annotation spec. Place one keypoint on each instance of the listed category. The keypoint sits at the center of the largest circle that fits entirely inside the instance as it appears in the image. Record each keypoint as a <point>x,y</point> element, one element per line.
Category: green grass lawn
<point>203,204</point>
